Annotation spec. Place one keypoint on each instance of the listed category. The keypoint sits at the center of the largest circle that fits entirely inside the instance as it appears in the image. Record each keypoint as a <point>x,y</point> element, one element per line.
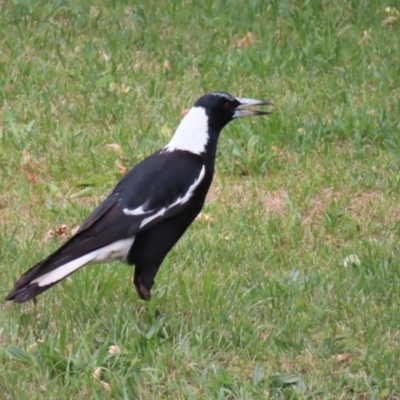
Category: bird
<point>151,206</point>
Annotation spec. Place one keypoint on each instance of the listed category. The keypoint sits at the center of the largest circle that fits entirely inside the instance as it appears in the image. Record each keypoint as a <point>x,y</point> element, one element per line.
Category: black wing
<point>155,189</point>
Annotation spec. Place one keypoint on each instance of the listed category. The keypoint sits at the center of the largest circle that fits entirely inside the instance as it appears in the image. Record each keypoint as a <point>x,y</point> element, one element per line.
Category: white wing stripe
<point>137,211</point>
<point>180,200</point>
<point>149,219</point>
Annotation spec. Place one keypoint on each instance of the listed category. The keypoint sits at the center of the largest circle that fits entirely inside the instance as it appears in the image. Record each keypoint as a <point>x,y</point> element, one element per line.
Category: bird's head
<point>222,108</point>
<point>208,116</point>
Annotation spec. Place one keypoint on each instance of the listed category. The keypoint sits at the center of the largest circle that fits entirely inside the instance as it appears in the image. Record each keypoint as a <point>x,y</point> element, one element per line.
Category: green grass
<point>257,303</point>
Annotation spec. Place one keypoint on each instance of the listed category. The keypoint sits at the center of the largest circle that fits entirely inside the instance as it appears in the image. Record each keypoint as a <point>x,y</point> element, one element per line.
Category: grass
<point>262,301</point>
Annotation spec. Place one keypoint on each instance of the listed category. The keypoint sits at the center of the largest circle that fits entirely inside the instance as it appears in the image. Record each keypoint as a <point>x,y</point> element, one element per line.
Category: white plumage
<point>192,133</point>
<point>114,251</point>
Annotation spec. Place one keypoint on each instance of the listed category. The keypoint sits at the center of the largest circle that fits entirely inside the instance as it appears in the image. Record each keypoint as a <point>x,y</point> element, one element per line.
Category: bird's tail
<point>74,254</point>
<point>48,272</point>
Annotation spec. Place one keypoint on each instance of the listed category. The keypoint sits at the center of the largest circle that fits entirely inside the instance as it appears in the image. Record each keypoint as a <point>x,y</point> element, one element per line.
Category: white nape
<point>181,200</point>
<point>192,133</point>
<point>115,251</point>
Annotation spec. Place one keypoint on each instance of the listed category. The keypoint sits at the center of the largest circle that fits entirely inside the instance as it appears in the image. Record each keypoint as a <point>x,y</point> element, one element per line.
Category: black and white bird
<point>151,206</point>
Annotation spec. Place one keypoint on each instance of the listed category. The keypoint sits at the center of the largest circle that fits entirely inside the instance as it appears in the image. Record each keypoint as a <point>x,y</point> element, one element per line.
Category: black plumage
<point>151,206</point>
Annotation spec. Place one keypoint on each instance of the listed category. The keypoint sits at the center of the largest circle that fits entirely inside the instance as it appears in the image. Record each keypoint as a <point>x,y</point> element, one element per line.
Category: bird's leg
<point>142,290</point>
<point>36,326</point>
<point>143,280</point>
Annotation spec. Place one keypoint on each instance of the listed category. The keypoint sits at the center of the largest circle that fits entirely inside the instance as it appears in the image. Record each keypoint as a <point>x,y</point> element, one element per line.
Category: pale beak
<point>245,108</point>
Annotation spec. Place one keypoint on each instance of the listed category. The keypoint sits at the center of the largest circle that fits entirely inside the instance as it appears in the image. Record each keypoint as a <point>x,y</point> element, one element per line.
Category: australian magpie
<point>151,206</point>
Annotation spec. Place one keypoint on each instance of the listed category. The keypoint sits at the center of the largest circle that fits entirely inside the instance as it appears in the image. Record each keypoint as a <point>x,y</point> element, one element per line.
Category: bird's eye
<point>227,105</point>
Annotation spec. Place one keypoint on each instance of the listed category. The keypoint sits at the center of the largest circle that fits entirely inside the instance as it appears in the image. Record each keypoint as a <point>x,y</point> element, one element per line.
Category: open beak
<point>245,107</point>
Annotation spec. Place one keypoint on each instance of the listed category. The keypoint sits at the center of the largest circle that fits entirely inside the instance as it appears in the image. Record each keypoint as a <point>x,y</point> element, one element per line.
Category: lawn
<point>288,286</point>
